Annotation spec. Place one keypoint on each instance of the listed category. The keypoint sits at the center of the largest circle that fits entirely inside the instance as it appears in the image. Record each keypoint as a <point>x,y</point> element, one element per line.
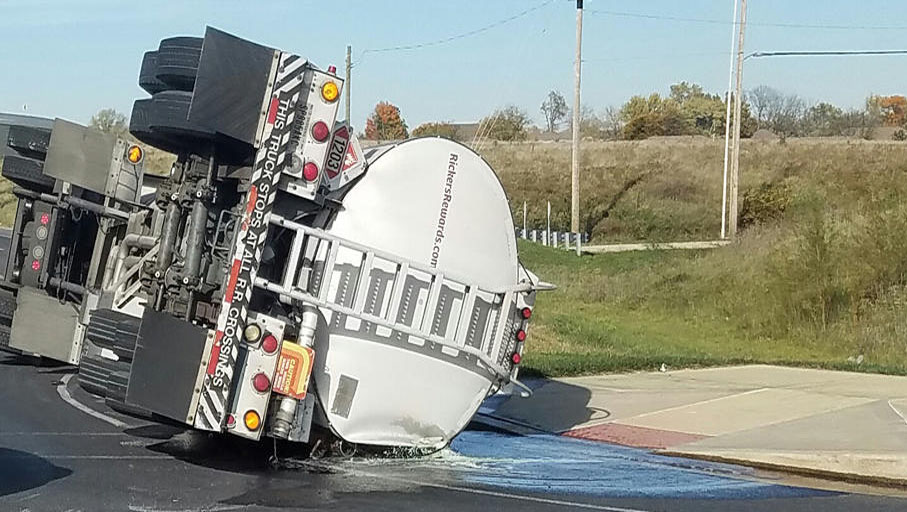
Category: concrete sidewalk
<point>840,425</point>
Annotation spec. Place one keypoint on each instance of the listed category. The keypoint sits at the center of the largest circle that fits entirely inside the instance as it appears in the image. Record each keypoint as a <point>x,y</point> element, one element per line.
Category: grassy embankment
<point>7,201</point>
<point>818,276</point>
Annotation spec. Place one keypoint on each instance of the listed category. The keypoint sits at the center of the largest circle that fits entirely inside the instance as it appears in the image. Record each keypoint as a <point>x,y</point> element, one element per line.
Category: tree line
<point>686,110</point>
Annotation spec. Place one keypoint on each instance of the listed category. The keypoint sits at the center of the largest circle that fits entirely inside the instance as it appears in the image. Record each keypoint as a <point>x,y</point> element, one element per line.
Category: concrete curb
<point>797,464</point>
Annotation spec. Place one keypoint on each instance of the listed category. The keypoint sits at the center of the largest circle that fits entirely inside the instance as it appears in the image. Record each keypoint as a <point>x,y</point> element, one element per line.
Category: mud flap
<point>170,358</point>
<point>43,326</point>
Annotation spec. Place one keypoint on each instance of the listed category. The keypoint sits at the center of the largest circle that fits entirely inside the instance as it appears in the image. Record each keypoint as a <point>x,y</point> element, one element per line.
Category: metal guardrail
<point>561,239</point>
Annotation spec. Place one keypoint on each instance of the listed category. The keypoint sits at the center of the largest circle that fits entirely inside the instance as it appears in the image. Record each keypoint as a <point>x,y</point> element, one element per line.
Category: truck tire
<point>148,75</point>
<point>27,173</point>
<point>7,306</point>
<point>163,121</point>
<point>177,62</point>
<point>116,396</point>
<point>28,141</point>
<point>7,310</point>
<point>126,338</point>
<point>4,341</point>
<point>94,374</point>
<point>116,387</point>
<point>115,331</point>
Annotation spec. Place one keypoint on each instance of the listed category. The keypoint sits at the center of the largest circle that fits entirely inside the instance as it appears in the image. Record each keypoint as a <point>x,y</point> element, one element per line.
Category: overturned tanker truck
<point>282,278</point>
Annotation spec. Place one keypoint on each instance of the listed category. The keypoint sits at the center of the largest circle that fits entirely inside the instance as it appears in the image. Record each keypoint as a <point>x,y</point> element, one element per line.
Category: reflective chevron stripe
<point>248,241</point>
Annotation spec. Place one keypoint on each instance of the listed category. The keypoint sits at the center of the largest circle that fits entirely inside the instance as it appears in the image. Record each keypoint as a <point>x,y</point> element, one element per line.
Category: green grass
<point>678,193</point>
<point>817,276</point>
<point>604,317</point>
<point>7,201</point>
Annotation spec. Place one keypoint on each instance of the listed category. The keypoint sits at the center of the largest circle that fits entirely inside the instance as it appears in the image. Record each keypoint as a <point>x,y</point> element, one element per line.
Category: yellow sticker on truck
<point>294,368</point>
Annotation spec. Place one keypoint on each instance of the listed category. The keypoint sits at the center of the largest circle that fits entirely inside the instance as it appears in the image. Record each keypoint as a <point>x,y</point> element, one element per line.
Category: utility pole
<point>727,126</point>
<point>349,68</point>
<point>738,100</point>
<point>574,202</point>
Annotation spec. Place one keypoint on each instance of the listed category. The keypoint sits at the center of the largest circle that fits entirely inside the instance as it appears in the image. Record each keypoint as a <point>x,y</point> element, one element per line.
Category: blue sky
<point>71,58</point>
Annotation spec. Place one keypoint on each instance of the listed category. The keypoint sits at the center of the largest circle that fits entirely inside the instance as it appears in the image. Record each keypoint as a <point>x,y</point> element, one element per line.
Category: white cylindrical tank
<point>438,203</point>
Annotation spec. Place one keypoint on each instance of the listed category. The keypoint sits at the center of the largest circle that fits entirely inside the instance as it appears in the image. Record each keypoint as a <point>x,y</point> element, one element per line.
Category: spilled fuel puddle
<point>551,464</point>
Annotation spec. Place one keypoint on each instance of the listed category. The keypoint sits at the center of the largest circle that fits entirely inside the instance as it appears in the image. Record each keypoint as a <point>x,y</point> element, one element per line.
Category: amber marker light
<point>329,91</point>
<point>134,154</point>
<point>252,420</point>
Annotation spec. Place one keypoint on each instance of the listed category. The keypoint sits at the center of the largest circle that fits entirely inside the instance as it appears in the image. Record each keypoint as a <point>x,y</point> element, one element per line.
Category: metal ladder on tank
<point>488,341</point>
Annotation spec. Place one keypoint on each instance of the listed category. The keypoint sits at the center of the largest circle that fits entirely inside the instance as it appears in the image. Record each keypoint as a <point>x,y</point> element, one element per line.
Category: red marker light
<point>261,382</point>
<point>521,335</point>
<point>231,421</point>
<point>527,313</point>
<point>45,218</point>
<point>270,344</point>
<point>36,265</point>
<point>516,358</point>
<point>310,171</point>
<point>332,69</point>
<point>320,131</point>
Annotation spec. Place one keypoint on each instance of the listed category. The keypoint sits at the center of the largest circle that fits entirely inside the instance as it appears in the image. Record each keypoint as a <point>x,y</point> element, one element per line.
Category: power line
<point>755,55</point>
<point>657,56</point>
<point>662,17</point>
<point>457,37</point>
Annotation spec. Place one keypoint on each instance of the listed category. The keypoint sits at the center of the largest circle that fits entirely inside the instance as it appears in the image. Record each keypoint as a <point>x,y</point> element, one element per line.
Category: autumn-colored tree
<point>446,130</point>
<point>893,109</point>
<point>386,123</point>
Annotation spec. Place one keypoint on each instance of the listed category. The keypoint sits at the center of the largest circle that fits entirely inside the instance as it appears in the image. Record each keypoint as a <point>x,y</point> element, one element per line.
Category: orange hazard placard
<point>293,370</point>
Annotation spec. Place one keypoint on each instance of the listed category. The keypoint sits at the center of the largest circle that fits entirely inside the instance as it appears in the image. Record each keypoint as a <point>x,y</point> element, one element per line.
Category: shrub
<point>507,124</point>
<point>446,130</point>
<point>767,202</point>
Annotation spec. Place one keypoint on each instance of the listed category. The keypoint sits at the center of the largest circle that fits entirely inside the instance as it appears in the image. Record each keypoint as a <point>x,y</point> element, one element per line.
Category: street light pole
<point>727,127</point>
<point>574,200</point>
<point>735,169</point>
<point>348,84</point>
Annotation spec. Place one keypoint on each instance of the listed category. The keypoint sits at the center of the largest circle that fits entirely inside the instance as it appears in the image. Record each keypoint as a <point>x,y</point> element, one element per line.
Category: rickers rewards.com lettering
<point>446,199</point>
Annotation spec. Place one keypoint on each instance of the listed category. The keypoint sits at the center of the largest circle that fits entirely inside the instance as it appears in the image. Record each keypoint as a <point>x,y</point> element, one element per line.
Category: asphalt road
<point>54,456</point>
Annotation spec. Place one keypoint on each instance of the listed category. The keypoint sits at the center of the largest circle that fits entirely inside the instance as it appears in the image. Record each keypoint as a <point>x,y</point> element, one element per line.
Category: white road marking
<point>215,508</point>
<point>87,457</point>
<point>64,394</point>
<point>896,411</point>
<point>107,457</point>
<point>29,497</point>
<point>694,404</point>
<point>496,494</point>
<point>140,443</point>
